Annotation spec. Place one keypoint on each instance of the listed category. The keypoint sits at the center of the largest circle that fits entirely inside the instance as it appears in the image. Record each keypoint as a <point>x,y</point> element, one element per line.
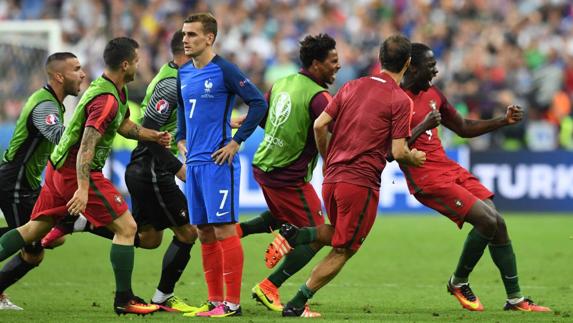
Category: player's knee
<point>33,255</point>
<point>185,233</point>
<point>150,239</point>
<point>345,253</point>
<point>126,227</point>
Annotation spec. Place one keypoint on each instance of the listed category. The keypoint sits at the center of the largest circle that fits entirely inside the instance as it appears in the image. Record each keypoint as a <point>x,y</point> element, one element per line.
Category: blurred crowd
<point>491,53</point>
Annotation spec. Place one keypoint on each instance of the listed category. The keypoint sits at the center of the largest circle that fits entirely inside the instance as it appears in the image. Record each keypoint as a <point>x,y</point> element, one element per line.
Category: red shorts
<point>351,210</point>
<point>454,194</point>
<point>298,205</point>
<point>105,203</point>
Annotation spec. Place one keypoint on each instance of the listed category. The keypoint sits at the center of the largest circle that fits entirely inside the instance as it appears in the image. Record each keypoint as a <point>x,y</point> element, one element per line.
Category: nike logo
<point>183,86</point>
<point>221,214</point>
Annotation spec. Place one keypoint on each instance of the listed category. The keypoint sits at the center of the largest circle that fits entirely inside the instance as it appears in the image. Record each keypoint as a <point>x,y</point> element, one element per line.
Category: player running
<point>285,160</point>
<point>74,181</point>
<point>371,115</point>
<point>448,188</point>
<point>207,88</point>
<point>38,129</point>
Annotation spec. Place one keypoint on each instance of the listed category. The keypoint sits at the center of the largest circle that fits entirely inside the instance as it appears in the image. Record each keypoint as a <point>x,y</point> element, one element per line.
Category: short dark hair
<point>315,47</point>
<point>118,50</point>
<point>418,53</point>
<point>59,56</point>
<point>177,43</point>
<point>206,19</point>
<point>394,53</point>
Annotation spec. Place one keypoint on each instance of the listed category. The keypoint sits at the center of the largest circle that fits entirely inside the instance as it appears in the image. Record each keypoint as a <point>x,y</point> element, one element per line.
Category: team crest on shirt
<point>162,106</point>
<point>459,203</point>
<point>433,105</point>
<point>208,86</point>
<point>118,199</point>
<point>51,119</point>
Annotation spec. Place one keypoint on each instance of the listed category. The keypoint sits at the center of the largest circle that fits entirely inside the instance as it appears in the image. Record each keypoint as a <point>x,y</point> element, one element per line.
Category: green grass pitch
<point>399,275</point>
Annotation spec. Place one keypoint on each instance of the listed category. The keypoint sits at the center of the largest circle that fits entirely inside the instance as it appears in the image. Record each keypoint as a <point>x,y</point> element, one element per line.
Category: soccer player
<point>207,88</point>
<point>38,130</point>
<point>74,181</point>
<point>370,115</point>
<point>284,161</point>
<point>448,188</point>
<point>157,201</point>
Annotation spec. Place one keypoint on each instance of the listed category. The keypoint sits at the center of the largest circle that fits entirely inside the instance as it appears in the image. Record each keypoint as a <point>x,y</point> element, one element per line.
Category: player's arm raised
<point>132,130</point>
<point>77,204</point>
<point>404,155</point>
<point>468,128</point>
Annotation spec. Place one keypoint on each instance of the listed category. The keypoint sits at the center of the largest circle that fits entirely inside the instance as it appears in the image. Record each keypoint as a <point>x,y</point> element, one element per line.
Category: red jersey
<point>437,162</point>
<point>100,113</point>
<point>368,113</point>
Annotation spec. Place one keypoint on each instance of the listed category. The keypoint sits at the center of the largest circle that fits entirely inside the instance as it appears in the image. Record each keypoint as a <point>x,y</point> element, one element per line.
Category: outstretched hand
<point>514,114</point>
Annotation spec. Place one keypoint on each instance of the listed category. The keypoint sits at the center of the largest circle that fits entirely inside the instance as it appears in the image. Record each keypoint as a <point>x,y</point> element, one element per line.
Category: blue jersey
<point>207,96</point>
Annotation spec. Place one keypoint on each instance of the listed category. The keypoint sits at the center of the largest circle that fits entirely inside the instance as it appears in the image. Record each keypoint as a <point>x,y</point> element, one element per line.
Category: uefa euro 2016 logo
<point>282,107</point>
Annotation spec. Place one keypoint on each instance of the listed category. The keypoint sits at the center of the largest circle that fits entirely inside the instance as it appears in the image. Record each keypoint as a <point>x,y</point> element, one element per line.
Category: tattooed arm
<point>132,130</point>
<point>86,155</point>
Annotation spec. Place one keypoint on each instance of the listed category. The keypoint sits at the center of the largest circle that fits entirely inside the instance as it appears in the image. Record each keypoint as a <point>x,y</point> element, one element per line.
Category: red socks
<point>212,255</point>
<point>232,268</point>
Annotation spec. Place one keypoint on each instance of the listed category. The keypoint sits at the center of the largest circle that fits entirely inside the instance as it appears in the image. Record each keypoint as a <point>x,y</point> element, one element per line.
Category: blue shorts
<point>213,193</point>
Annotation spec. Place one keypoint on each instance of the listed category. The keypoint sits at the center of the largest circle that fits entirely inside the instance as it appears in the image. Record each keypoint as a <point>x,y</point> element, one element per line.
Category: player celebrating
<point>370,115</point>
<point>38,130</point>
<point>284,161</point>
<point>207,88</point>
<point>448,188</point>
<point>74,181</point>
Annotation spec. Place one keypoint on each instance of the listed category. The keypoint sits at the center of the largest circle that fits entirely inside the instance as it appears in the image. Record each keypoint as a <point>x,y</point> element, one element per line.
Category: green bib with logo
<point>74,131</point>
<point>38,148</point>
<point>166,71</point>
<point>288,123</point>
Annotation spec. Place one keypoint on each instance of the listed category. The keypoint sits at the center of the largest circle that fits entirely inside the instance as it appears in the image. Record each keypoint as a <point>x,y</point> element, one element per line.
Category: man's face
<point>195,40</point>
<point>427,69</point>
<point>73,76</point>
<point>327,69</point>
<point>131,68</point>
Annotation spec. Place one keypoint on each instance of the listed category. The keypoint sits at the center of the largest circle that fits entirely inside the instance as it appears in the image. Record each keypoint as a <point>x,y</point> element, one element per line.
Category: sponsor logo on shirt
<point>51,119</point>
<point>162,106</point>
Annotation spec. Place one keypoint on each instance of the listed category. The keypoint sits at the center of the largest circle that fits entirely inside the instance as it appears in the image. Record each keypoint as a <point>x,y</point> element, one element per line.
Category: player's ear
<point>124,65</point>
<point>211,38</point>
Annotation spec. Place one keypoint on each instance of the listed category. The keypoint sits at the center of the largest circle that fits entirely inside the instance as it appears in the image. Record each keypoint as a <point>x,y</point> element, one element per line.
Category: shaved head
<point>56,63</point>
<point>64,72</point>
